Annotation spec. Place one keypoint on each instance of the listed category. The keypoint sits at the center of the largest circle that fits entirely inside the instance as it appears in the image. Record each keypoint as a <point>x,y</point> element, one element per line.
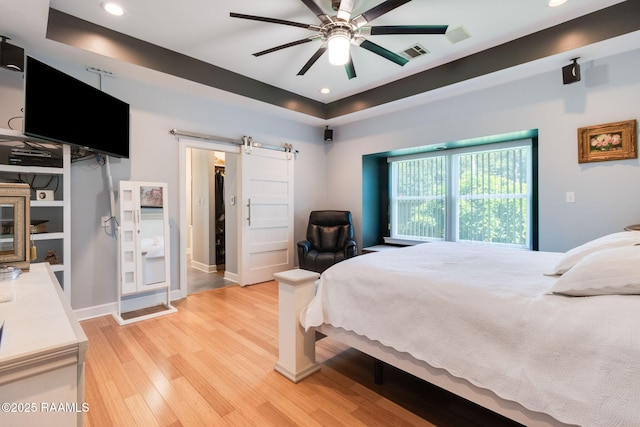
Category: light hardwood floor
<point>212,364</point>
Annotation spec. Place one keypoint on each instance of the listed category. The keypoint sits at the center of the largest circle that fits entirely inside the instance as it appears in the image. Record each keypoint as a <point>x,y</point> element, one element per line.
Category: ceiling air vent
<point>457,34</point>
<point>414,51</point>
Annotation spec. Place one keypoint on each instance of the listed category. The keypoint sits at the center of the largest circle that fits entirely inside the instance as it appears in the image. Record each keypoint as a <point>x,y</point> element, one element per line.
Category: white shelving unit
<point>56,212</point>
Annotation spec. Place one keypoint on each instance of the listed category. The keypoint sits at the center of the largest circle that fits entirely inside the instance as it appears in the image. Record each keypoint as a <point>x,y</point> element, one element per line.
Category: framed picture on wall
<point>612,141</point>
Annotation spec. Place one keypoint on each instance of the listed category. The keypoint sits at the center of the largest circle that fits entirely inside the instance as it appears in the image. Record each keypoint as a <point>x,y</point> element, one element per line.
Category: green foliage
<point>492,196</point>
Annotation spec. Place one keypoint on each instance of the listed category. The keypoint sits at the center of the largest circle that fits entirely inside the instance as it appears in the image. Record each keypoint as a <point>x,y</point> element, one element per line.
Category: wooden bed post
<point>297,348</point>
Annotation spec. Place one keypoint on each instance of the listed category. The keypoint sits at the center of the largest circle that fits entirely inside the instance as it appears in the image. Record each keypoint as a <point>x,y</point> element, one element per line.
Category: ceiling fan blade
<point>275,21</point>
<point>344,11</point>
<point>312,60</point>
<point>350,69</point>
<point>385,53</point>
<point>316,10</point>
<point>377,11</point>
<point>286,45</point>
<point>408,29</point>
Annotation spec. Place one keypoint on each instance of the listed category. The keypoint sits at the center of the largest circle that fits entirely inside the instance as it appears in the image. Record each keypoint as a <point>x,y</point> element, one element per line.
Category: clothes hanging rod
<point>246,141</point>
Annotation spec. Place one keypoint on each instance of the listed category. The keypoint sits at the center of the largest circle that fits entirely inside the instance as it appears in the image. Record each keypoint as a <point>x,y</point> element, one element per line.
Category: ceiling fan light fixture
<point>338,33</point>
<point>339,42</point>
<point>554,3</point>
<point>343,16</point>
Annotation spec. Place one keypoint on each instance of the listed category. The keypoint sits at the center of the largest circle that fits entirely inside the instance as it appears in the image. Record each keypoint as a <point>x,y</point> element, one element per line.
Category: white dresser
<point>42,354</point>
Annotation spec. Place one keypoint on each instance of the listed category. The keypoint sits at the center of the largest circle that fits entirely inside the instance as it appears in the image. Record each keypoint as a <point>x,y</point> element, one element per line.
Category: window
<point>477,194</point>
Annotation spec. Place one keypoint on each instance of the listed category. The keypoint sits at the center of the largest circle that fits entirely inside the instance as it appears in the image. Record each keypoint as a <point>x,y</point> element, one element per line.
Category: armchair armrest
<point>304,246</point>
<point>350,249</point>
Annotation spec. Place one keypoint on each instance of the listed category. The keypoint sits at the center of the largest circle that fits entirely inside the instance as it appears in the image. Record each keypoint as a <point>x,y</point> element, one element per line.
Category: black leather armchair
<point>330,239</point>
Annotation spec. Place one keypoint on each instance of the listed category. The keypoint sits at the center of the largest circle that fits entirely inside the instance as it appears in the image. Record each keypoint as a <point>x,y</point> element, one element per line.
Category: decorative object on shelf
<point>45,195</point>
<point>38,226</point>
<point>34,250</point>
<point>14,209</point>
<point>612,141</point>
<point>51,257</point>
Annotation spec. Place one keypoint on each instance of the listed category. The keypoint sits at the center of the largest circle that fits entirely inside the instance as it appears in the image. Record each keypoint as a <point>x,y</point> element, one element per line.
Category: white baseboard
<point>231,276</point>
<point>95,311</point>
<point>207,268</point>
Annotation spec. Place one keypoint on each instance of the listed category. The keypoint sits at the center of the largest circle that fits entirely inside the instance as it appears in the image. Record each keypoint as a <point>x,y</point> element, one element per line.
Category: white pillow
<point>615,240</point>
<point>607,272</point>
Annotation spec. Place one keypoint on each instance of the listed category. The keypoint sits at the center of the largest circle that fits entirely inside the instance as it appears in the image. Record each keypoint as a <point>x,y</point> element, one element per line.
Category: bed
<point>542,338</point>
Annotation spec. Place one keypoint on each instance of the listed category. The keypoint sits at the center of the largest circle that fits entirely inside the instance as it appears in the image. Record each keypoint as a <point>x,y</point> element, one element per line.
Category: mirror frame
<point>18,195</point>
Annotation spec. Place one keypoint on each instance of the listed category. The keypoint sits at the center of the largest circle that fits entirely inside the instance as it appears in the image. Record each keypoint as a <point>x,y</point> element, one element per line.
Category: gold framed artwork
<point>611,141</point>
<point>14,225</point>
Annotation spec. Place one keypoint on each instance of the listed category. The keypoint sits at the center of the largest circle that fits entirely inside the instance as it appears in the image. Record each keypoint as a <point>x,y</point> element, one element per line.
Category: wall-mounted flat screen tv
<point>63,109</point>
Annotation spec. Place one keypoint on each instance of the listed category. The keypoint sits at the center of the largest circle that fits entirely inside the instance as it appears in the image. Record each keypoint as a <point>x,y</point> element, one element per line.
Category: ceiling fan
<point>338,32</point>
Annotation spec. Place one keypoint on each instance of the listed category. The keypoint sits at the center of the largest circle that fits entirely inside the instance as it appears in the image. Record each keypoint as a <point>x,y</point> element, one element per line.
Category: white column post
<point>297,351</point>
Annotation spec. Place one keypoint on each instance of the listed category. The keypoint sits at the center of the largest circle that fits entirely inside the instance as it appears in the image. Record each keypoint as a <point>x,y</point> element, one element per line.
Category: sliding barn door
<point>267,245</point>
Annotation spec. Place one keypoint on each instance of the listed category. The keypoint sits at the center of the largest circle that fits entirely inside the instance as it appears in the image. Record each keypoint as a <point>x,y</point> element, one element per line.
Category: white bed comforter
<point>485,314</point>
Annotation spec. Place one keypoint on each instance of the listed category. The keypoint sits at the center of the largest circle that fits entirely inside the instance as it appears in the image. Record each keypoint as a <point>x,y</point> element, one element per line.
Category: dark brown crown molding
<point>617,20</point>
<point>68,29</point>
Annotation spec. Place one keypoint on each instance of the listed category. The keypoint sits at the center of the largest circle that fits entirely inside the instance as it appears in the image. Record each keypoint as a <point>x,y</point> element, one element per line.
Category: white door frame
<point>184,144</point>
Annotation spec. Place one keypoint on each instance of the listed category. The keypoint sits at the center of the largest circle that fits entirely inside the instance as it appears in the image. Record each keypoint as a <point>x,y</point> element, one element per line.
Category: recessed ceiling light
<point>325,90</point>
<point>113,8</point>
<point>554,3</point>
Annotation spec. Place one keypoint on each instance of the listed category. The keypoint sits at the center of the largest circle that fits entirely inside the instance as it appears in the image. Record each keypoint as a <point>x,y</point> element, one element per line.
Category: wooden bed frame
<point>296,359</point>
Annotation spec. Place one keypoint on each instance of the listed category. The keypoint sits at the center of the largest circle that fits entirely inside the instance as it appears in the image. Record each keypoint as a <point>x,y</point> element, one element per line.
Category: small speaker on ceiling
<point>11,57</point>
<point>571,72</point>
<point>328,134</point>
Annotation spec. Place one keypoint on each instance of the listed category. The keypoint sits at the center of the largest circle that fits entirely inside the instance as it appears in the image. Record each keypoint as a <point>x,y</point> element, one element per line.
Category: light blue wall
<point>330,175</point>
<point>154,157</point>
<point>606,193</point>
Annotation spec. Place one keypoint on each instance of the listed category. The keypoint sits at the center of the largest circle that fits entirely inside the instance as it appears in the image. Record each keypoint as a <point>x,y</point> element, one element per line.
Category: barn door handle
<point>249,210</point>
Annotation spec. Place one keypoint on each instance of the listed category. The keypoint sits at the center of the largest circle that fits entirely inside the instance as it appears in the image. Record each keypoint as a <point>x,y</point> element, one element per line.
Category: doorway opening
<point>208,238</point>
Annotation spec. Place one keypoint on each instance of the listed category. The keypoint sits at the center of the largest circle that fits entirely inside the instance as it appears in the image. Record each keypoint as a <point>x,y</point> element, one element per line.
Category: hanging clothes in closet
<point>219,218</point>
